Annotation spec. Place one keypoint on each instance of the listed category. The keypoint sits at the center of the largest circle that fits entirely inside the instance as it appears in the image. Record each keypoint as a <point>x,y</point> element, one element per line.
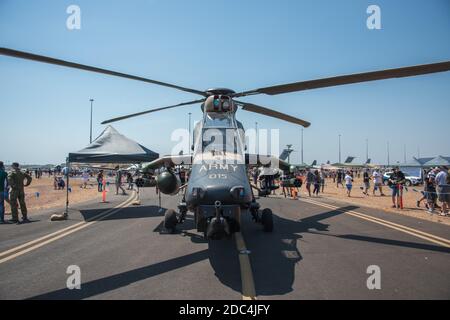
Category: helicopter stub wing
<point>257,160</point>
<point>169,162</point>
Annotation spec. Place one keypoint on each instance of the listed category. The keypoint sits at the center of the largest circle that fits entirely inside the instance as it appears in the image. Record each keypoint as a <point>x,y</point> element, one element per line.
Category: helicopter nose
<point>227,194</point>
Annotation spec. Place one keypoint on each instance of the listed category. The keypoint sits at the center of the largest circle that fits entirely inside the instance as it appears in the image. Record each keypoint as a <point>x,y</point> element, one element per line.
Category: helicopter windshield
<point>219,120</point>
<point>220,141</point>
<point>220,138</point>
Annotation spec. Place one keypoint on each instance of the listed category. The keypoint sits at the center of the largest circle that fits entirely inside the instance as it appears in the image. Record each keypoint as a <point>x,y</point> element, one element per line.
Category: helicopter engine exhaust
<point>218,227</point>
<point>168,183</point>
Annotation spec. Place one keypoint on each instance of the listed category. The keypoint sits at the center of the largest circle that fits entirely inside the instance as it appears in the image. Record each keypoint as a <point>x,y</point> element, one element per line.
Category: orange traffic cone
<point>294,193</point>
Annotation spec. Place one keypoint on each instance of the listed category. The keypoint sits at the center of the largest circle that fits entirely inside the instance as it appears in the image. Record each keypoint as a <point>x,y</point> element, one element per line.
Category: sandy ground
<point>410,198</point>
<point>50,198</point>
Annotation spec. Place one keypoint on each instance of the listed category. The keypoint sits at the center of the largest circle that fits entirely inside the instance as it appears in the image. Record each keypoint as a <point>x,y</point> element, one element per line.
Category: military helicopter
<point>219,190</point>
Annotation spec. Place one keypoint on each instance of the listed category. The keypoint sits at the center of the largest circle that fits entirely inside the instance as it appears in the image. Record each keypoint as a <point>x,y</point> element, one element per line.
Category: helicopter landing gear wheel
<point>170,220</point>
<point>267,220</point>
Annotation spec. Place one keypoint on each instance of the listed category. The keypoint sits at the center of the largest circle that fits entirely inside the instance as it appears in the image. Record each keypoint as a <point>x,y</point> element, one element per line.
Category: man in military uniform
<point>16,182</point>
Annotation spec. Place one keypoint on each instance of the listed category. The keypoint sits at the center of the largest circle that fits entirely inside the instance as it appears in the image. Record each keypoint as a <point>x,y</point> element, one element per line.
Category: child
<point>61,184</point>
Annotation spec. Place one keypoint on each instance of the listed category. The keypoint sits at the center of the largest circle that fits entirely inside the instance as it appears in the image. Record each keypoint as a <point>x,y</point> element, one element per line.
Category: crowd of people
<point>436,189</point>
<point>436,192</point>
<point>121,178</point>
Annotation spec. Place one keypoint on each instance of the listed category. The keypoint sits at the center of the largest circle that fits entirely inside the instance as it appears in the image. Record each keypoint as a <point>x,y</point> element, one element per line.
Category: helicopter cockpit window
<point>220,141</point>
<point>219,120</point>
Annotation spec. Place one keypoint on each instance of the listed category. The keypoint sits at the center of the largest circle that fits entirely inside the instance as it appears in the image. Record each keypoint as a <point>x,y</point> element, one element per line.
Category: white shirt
<point>348,180</point>
<point>376,177</point>
<point>441,178</point>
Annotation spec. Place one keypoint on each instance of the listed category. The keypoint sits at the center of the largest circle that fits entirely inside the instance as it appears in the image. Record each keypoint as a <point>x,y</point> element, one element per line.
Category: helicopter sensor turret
<point>219,104</point>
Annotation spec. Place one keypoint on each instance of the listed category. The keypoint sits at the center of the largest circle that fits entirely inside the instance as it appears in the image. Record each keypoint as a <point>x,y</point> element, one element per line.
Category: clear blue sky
<point>44,110</point>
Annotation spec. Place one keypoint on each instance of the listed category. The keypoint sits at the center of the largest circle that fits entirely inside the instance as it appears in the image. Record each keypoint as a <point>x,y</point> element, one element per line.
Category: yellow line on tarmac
<point>248,284</point>
<point>414,232</point>
<point>40,242</point>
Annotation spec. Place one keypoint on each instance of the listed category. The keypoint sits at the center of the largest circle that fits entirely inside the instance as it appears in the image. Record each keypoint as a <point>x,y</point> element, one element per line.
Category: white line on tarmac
<point>40,242</point>
<point>414,232</point>
<point>248,284</point>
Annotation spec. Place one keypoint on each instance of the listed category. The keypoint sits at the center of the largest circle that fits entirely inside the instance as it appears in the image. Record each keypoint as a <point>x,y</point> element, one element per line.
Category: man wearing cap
<point>395,181</point>
<point>16,182</point>
<point>441,181</point>
<point>3,191</point>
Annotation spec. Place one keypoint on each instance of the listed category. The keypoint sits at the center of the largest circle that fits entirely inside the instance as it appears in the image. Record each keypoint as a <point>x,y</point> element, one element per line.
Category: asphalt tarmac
<point>318,250</point>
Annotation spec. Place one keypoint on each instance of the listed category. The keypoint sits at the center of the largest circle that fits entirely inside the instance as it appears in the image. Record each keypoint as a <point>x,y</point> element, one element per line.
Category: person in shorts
<point>441,182</point>
<point>446,191</point>
<point>396,181</point>
<point>348,183</point>
<point>377,182</point>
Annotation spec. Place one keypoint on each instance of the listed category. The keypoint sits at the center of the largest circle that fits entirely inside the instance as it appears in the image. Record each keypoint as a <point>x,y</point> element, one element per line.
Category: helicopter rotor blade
<point>68,64</point>
<point>349,79</point>
<point>272,113</point>
<point>152,110</point>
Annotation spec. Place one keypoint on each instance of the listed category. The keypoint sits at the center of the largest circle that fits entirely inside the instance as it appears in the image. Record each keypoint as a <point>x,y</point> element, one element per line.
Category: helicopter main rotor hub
<point>220,91</point>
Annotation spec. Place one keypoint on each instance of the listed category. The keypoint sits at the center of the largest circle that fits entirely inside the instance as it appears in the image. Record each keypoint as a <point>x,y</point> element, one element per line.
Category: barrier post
<point>400,188</point>
<point>66,212</point>
<point>65,215</point>
<point>104,190</point>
